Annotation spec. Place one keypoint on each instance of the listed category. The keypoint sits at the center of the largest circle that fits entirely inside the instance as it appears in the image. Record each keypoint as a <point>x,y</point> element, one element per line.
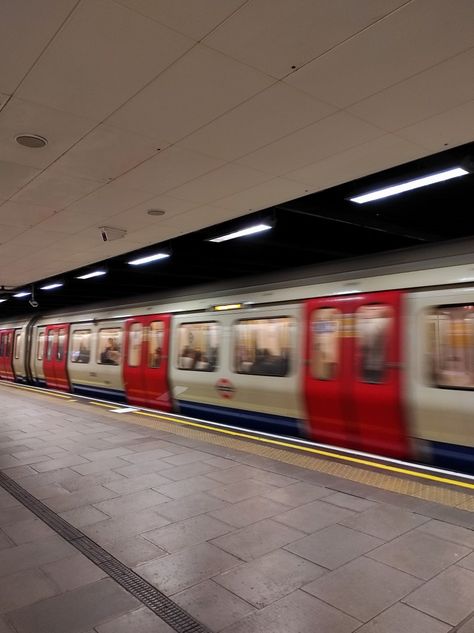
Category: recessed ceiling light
<point>150,258</point>
<point>96,273</point>
<point>410,185</point>
<point>258,228</point>
<point>51,286</point>
<point>2,300</point>
<point>156,212</point>
<point>32,141</point>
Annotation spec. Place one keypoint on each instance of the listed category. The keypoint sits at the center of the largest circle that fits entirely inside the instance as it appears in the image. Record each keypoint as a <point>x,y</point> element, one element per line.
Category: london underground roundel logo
<point>225,388</point>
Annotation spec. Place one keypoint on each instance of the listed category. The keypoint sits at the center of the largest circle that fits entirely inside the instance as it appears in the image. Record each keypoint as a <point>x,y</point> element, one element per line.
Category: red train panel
<point>145,368</point>
<point>55,357</point>
<point>6,355</point>
<point>353,371</point>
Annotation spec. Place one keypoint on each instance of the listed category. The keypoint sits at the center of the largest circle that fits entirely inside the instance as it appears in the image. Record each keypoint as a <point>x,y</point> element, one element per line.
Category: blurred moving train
<point>375,354</point>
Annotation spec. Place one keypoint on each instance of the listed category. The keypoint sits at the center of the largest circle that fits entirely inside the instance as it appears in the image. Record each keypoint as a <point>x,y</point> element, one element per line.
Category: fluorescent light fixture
<point>258,228</point>
<point>229,306</point>
<point>410,184</point>
<point>51,286</point>
<point>2,300</point>
<point>147,260</point>
<point>96,273</point>
<point>22,294</point>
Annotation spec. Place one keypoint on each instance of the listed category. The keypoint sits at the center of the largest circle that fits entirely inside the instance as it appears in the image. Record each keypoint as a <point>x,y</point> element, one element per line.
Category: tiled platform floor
<point>244,544</point>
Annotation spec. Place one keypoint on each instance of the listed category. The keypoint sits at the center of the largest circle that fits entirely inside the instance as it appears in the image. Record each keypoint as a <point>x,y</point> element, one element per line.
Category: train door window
<point>325,343</point>
<point>135,339</point>
<point>109,347</point>
<point>450,346</point>
<point>155,343</point>
<point>81,346</point>
<point>61,351</point>
<point>198,346</point>
<point>52,336</point>
<point>40,346</point>
<point>262,346</point>
<point>17,344</point>
<point>373,327</point>
<point>2,344</point>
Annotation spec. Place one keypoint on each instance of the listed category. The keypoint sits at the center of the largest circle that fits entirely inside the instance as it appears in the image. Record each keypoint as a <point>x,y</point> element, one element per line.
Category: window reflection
<point>81,346</point>
<point>325,327</point>
<point>109,347</point>
<point>373,323</point>
<point>198,346</point>
<point>262,346</point>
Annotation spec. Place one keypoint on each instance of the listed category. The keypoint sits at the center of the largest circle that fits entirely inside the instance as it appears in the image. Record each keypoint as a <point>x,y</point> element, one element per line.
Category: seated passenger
<point>111,354</point>
<point>155,361</point>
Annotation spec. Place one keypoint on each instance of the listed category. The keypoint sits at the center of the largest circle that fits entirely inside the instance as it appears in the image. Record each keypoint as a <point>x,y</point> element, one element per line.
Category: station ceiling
<point>219,113</point>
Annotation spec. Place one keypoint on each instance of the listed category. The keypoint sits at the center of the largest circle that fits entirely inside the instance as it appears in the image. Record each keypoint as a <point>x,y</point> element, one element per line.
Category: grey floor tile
<point>135,550</point>
<point>334,546</point>
<point>45,492</point>
<point>187,470</point>
<point>313,516</point>
<point>125,526</point>
<point>138,621</point>
<point>419,554</point>
<point>273,479</point>
<point>24,588</point>
<point>5,541</point>
<point>85,515</point>
<point>189,506</point>
<point>33,554</point>
<point>450,532</point>
<point>18,472</point>
<point>99,466</point>
<point>185,487</point>
<point>186,458</point>
<point>363,588</point>
<point>468,562</point>
<point>28,530</point>
<point>135,484</point>
<point>60,462</point>
<point>351,502</point>
<point>131,502</point>
<point>257,539</point>
<point>147,456</point>
<point>104,455</point>
<point>448,596</point>
<point>188,532</point>
<point>400,619</point>
<point>232,475</point>
<point>249,511</point>
<point>88,481</point>
<point>14,514</point>
<point>213,605</point>
<point>240,490</point>
<point>296,613</point>
<point>467,626</point>
<point>73,572</point>
<point>187,567</point>
<point>385,522</point>
<point>74,611</point>
<point>82,497</point>
<point>220,462</point>
<point>298,494</point>
<point>4,627</point>
<point>269,578</point>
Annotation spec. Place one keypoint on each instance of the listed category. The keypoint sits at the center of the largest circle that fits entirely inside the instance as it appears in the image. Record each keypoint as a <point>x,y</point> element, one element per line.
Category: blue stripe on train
<point>239,417</point>
<point>453,456</point>
<point>98,392</point>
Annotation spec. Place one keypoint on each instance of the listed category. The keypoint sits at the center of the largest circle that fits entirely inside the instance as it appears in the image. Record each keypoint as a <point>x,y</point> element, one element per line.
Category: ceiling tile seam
<point>48,44</point>
<point>405,79</point>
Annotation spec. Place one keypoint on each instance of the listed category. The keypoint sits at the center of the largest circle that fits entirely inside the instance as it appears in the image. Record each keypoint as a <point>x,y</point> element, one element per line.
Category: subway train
<point>374,354</point>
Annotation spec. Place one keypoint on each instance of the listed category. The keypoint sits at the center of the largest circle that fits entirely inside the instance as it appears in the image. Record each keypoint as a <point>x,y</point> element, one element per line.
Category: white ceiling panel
<point>276,35</point>
<point>137,217</point>
<point>170,168</point>
<point>189,17</point>
<point>325,138</point>
<point>13,177</point>
<point>103,55</point>
<point>431,92</point>
<point>53,188</point>
<point>26,27</point>
<point>34,238</point>
<point>358,161</point>
<point>23,214</point>
<point>7,232</point>
<point>443,130</point>
<point>221,182</point>
<point>420,35</point>
<point>61,130</point>
<point>106,153</point>
<point>3,100</point>
<point>265,195</point>
<point>272,114</point>
<point>196,89</point>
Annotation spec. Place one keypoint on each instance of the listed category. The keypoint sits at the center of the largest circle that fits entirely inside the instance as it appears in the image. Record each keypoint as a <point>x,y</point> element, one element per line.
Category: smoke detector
<point>33,141</point>
<point>155,212</point>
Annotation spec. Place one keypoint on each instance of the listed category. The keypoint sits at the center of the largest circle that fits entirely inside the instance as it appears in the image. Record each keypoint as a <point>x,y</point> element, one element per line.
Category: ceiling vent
<point>33,141</point>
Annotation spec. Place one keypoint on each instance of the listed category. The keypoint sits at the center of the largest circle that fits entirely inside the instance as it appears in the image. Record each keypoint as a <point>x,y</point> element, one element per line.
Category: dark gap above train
<point>312,230</point>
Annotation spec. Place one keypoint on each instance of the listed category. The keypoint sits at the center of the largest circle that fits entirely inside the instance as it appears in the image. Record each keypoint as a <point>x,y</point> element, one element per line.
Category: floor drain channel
<point>147,594</point>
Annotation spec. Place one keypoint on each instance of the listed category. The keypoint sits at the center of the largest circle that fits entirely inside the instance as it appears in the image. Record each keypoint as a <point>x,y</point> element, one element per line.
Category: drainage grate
<point>147,594</point>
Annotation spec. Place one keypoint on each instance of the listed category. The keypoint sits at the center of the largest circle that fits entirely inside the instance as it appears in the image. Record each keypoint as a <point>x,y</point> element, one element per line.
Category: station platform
<point>114,519</point>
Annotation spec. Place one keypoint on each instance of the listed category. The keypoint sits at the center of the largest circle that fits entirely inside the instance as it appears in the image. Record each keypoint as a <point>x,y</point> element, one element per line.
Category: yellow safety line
<point>47,393</point>
<point>101,404</point>
<point>317,451</point>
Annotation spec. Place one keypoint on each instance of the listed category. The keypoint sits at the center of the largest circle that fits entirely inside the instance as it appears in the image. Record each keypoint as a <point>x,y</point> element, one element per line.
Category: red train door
<point>145,370</point>
<point>6,354</point>
<point>353,371</point>
<point>55,357</point>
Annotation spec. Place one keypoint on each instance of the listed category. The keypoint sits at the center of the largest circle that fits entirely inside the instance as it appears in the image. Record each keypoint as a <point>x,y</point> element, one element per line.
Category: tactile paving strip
<point>178,619</point>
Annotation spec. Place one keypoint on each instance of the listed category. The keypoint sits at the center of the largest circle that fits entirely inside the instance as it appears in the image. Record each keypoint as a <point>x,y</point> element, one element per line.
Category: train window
<point>373,325</point>
<point>17,344</point>
<point>155,343</point>
<point>110,345</point>
<point>450,346</point>
<point>81,346</point>
<point>326,343</point>
<point>198,346</point>
<point>2,344</point>
<point>61,351</point>
<point>40,346</point>
<point>262,346</point>
<point>135,338</point>
<point>52,335</point>
<point>8,347</point>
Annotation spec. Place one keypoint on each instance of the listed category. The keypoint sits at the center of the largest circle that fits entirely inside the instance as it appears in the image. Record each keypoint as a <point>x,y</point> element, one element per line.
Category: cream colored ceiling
<point>208,109</point>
